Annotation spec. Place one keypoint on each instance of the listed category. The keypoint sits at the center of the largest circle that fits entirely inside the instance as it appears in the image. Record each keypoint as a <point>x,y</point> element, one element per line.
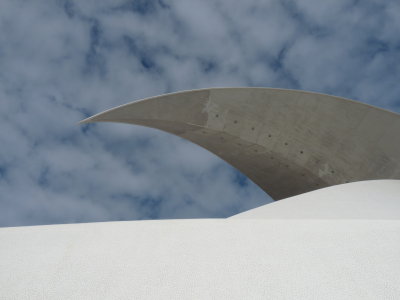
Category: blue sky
<point>62,61</point>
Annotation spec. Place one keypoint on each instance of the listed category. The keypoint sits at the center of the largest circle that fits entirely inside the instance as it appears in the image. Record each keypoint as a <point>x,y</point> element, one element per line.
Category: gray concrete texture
<point>288,142</point>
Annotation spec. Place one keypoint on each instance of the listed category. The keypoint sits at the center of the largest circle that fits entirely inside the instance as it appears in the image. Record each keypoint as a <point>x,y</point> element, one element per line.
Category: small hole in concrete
<point>332,172</point>
<point>286,144</point>
<point>301,152</point>
<point>252,128</point>
<point>269,135</point>
<point>235,121</point>
<point>216,115</point>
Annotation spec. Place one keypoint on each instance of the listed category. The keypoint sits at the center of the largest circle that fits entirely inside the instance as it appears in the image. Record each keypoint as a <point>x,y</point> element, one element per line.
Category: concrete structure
<point>287,142</point>
<point>251,256</point>
<point>338,242</point>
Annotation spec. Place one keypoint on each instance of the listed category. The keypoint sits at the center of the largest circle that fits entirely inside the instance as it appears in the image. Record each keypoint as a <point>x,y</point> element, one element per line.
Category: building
<point>336,234</point>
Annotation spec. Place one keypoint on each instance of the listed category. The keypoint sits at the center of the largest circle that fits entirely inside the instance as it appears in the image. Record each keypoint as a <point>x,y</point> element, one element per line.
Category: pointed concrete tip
<point>86,121</point>
<point>110,115</point>
<point>92,119</point>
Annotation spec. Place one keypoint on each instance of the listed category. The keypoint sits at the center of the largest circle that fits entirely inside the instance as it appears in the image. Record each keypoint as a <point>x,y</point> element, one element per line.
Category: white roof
<point>373,199</point>
<point>237,258</point>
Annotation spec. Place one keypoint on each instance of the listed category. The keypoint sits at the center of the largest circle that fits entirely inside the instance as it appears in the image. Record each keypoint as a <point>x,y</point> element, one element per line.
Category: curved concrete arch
<point>288,142</point>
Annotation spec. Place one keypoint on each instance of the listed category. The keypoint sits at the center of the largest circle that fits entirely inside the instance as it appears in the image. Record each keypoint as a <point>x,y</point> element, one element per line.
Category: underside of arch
<point>287,142</point>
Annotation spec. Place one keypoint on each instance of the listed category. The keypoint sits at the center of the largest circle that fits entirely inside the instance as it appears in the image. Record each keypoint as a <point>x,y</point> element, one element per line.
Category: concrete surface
<point>288,142</point>
<point>203,259</point>
<point>248,257</point>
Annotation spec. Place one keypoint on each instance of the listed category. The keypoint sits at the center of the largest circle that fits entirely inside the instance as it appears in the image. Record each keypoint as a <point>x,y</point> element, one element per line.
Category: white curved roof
<point>373,199</point>
<point>238,258</point>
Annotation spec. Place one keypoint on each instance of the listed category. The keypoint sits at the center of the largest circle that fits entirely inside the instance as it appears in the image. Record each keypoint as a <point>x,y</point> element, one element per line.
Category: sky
<point>63,61</point>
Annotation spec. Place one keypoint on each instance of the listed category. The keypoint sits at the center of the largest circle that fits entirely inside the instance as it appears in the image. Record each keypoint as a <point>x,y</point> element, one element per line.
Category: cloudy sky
<point>62,61</point>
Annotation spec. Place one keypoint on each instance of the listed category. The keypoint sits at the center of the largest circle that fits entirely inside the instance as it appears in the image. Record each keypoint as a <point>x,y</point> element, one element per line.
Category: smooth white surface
<point>252,256</point>
<point>203,259</point>
<point>374,199</point>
